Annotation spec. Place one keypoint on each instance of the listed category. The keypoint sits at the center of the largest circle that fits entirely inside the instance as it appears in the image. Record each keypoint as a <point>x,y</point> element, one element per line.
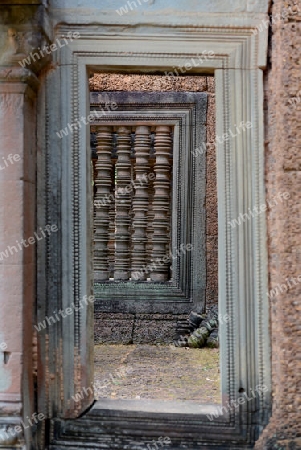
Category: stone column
<point>18,90</point>
<point>17,256</point>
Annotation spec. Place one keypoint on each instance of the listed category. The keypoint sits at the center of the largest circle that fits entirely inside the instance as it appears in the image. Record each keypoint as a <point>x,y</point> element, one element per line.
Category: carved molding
<point>18,75</point>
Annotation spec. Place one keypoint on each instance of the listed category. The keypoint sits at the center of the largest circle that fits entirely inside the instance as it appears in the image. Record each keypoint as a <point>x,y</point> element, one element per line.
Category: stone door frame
<point>64,260</point>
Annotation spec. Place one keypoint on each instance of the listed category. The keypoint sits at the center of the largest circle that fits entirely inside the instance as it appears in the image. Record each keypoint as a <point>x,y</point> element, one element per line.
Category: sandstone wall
<point>283,173</point>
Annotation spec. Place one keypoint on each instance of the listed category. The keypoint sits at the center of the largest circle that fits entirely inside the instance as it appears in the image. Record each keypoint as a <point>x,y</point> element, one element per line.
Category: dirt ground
<point>159,372</point>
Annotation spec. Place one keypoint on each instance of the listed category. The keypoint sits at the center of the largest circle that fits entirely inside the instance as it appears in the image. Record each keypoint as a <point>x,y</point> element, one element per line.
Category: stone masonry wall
<point>283,173</point>
<point>161,328</point>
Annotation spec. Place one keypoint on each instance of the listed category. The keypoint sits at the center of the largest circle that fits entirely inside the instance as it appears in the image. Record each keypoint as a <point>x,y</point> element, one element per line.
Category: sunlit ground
<point>158,372</point>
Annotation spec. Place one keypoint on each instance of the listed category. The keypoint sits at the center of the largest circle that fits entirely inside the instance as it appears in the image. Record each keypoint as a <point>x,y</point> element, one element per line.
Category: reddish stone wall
<point>283,165</point>
<point>116,82</point>
<point>211,202</point>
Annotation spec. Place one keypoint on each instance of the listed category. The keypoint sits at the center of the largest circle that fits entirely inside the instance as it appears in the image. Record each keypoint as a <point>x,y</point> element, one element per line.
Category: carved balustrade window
<point>132,204</point>
<point>149,190</point>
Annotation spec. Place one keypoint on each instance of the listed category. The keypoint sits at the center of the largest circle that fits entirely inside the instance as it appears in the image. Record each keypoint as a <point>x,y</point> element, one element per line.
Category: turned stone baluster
<point>102,200</point>
<point>161,204</point>
<point>150,212</point>
<point>140,203</point>
<point>123,204</point>
<point>111,245</point>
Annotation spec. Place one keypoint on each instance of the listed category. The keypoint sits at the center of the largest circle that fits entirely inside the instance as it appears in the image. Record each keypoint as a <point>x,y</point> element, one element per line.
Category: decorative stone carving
<point>123,205</point>
<point>10,53</point>
<point>111,245</point>
<point>161,205</point>
<point>121,217</point>
<point>102,202</point>
<point>140,202</point>
<point>150,212</point>
<point>23,49</point>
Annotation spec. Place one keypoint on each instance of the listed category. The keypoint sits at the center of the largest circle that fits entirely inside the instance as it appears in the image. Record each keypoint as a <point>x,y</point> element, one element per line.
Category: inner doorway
<point>144,351</point>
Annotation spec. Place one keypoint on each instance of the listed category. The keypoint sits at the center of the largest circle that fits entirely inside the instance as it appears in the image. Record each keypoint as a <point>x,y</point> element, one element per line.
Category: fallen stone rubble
<point>204,330</point>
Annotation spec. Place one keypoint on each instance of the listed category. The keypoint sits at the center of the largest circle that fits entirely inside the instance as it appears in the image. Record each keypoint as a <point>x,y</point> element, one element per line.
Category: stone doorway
<point>66,169</point>
<point>136,344</point>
